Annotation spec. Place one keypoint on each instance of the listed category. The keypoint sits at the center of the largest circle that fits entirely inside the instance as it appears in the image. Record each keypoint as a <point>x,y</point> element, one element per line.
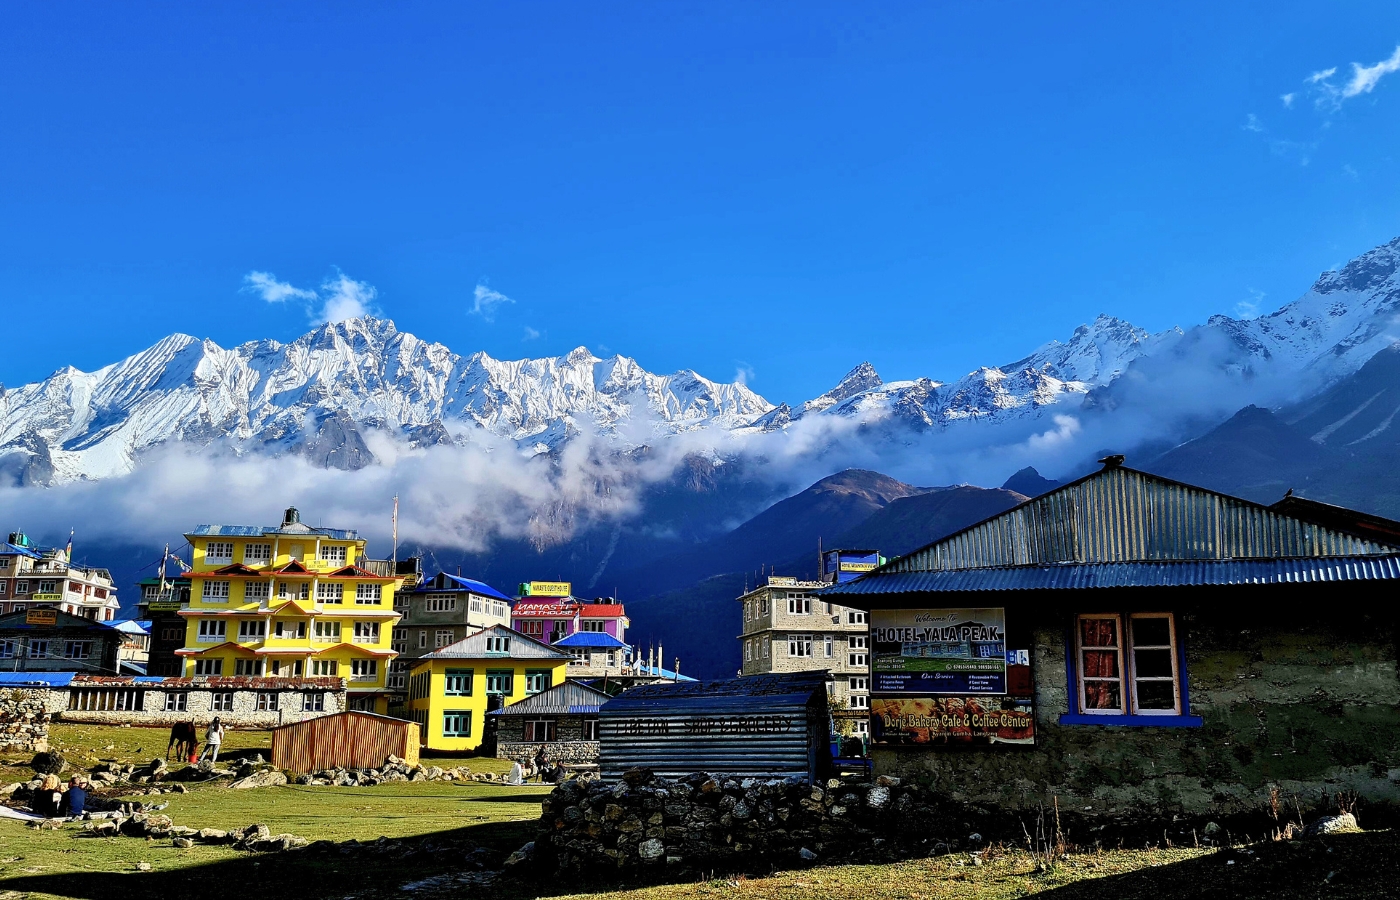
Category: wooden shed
<point>351,740</point>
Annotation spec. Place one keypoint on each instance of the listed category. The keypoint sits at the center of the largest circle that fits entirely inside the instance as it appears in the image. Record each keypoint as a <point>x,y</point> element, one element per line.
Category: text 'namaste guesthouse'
<point>1128,640</point>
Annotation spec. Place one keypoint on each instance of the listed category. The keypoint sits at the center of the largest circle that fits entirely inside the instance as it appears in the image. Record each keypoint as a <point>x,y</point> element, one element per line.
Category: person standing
<point>213,738</point>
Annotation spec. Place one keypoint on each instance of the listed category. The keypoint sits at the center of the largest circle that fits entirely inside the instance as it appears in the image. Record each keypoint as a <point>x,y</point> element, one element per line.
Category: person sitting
<point>74,799</point>
<point>46,799</point>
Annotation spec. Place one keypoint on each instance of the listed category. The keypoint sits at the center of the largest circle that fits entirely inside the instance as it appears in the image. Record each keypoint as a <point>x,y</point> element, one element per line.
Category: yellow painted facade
<point>291,605</point>
<point>448,697</point>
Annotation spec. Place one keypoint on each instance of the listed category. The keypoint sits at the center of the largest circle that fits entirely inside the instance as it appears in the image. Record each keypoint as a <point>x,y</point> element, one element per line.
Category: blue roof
<point>1189,573</point>
<point>36,679</point>
<point>6,549</point>
<point>658,672</point>
<point>591,639</point>
<point>335,534</point>
<point>464,584</point>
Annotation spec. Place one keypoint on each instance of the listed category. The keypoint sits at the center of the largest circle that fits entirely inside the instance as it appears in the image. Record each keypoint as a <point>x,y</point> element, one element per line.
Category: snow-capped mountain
<point>321,394</point>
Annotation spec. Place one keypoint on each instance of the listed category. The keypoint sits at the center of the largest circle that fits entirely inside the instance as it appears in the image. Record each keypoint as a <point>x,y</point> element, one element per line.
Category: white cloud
<point>1364,78</point>
<point>531,334</point>
<point>341,296</point>
<point>1248,309</point>
<point>1319,77</point>
<point>485,302</point>
<point>744,373</point>
<point>266,285</point>
<point>345,298</point>
<point>1288,99</point>
<point>1251,123</point>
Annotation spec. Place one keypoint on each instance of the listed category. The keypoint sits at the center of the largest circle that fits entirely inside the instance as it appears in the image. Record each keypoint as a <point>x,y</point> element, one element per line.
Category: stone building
<point>42,639</point>
<point>242,702</point>
<point>789,626</point>
<point>562,721</point>
<point>441,610</point>
<point>1126,643</point>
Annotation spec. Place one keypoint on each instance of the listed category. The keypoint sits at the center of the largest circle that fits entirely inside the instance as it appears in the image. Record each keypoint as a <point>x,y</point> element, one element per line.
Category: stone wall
<point>24,720</point>
<point>199,708</point>
<point>568,746</point>
<point>1309,707</point>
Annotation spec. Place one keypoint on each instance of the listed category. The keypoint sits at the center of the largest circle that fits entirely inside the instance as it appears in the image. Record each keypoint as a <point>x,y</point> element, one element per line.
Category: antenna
<point>394,554</point>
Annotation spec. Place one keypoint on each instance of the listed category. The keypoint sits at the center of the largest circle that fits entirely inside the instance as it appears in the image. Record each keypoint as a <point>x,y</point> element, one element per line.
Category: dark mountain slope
<point>1030,482</point>
<point>911,522</point>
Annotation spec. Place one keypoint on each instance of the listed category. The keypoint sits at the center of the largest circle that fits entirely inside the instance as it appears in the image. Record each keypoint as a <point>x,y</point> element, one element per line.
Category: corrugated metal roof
<point>36,679</point>
<point>8,549</point>
<point>1123,515</point>
<point>570,697</point>
<point>473,646</point>
<point>1131,574</point>
<point>461,584</point>
<point>598,639</point>
<point>335,534</point>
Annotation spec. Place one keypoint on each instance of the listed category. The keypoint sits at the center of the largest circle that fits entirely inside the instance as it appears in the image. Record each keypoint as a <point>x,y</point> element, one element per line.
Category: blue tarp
<point>36,679</point>
<point>464,584</point>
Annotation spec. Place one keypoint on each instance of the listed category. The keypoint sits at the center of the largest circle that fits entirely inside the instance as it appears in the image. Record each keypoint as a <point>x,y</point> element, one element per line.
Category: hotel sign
<point>858,566</point>
<point>41,617</point>
<point>926,652</point>
<point>46,598</point>
<point>544,611</point>
<point>546,589</point>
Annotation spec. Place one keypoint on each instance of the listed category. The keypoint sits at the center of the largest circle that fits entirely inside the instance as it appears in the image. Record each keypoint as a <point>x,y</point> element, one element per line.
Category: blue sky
<point>782,190</point>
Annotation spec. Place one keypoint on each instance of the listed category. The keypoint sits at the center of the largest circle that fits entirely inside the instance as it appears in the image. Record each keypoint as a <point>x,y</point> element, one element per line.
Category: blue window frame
<point>1127,668</point>
<point>457,723</point>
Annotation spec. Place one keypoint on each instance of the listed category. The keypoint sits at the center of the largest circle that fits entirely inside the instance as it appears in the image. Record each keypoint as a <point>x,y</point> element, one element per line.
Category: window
<point>255,590</point>
<point>366,632</point>
<point>856,617</point>
<point>292,669</point>
<point>442,637</point>
<point>325,667</point>
<point>251,667</point>
<point>330,592</point>
<point>333,555</point>
<point>21,587</point>
<point>799,645</point>
<point>314,702</point>
<point>170,633</point>
<point>212,631</point>
<point>368,594</point>
<point>748,651</point>
<point>457,683</point>
<point>327,632</point>
<point>364,670</point>
<point>457,723</point>
<point>539,730</point>
<point>441,602</point>
<point>221,701</point>
<point>267,701</point>
<point>579,656</point>
<point>287,630</point>
<point>209,667</point>
<point>218,551</point>
<point>254,630</point>
<point>862,726</point>
<point>177,701</point>
<point>46,587</point>
<point>860,701</point>
<point>77,649</point>
<point>534,629</point>
<point>475,604</point>
<point>423,639</point>
<point>765,648</point>
<point>827,646</point>
<point>499,681</point>
<point>595,626</point>
<point>590,729</point>
<point>8,649</point>
<point>215,591</point>
<point>537,680</point>
<point>763,606</point>
<point>859,683</point>
<point>3,585</point>
<point>859,651</point>
<point>497,643</point>
<point>1133,673</point>
<point>38,649</point>
<point>799,605</point>
<point>257,554</point>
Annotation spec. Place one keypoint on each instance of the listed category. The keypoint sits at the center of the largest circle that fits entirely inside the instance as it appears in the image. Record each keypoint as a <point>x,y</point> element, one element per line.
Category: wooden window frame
<point>1128,712</point>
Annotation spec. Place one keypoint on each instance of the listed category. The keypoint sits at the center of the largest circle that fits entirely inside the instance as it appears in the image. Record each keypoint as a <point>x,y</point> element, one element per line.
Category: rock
<point>255,833</point>
<point>393,760</point>
<point>183,843</point>
<point>1332,825</point>
<point>887,781</point>
<point>50,762</point>
<point>651,850</point>
<point>143,867</point>
<point>524,854</point>
<point>1211,830</point>
<point>265,778</point>
<point>806,854</point>
<point>638,776</point>
<point>212,836</point>
<point>878,798</point>
<point>974,838</point>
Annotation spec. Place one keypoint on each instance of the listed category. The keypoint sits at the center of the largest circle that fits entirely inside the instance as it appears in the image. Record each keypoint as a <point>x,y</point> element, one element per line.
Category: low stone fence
<point>572,752</point>
<point>24,720</point>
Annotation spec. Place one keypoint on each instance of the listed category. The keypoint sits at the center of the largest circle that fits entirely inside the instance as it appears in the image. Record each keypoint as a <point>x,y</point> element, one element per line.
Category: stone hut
<point>562,720</point>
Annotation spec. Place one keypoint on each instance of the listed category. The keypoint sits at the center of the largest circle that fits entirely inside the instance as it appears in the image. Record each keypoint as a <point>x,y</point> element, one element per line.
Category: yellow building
<point>290,601</point>
<point>450,690</point>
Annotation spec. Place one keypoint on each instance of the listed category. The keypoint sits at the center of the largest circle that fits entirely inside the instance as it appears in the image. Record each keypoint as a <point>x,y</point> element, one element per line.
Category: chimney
<point>291,517</point>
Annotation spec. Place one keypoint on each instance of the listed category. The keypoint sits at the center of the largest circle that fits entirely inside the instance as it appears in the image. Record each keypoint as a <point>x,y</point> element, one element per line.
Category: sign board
<point>858,566</point>
<point>923,652</point>
<point>41,617</point>
<point>163,605</point>
<point>46,598</point>
<point>546,589</point>
<point>782,581</point>
<point>960,720</point>
<point>544,610</point>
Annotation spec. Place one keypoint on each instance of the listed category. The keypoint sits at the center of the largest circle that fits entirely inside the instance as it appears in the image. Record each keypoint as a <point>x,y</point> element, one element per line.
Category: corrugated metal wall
<point>348,739</point>
<point>1121,515</point>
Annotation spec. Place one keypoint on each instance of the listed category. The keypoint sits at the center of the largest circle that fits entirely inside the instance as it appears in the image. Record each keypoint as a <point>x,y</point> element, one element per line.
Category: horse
<point>183,739</point>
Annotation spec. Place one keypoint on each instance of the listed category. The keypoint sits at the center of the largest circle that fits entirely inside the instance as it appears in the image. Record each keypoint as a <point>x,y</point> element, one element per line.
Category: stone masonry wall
<point>1310,709</point>
<point>24,720</point>
<point>199,709</point>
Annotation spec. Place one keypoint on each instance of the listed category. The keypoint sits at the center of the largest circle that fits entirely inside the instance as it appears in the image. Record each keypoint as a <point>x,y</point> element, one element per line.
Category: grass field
<point>446,817</point>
